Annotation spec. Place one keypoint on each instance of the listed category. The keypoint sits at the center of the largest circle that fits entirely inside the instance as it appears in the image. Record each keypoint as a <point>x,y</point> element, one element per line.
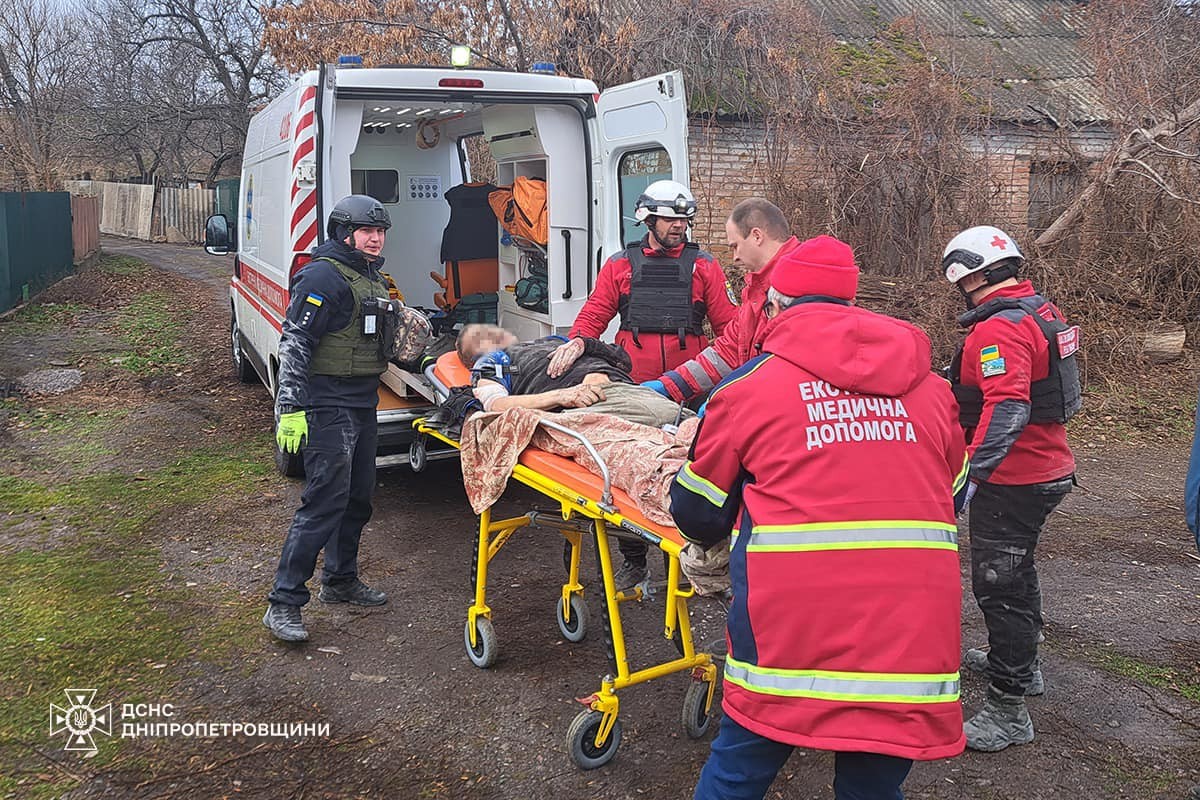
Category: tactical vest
<point>1054,398</point>
<point>660,294</point>
<point>349,353</point>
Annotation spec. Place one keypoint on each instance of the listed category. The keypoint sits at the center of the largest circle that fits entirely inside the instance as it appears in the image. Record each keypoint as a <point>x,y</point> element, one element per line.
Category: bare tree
<point>1147,54</point>
<point>41,74</point>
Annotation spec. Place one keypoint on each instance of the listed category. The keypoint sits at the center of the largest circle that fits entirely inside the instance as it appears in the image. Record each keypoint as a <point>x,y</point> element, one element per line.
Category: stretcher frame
<point>595,733</point>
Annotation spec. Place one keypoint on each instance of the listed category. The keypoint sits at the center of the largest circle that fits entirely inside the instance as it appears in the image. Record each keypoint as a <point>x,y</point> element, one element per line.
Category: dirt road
<point>408,716</point>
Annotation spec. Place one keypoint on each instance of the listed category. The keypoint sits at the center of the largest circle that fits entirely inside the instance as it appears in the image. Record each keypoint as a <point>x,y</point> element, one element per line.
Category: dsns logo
<point>79,719</point>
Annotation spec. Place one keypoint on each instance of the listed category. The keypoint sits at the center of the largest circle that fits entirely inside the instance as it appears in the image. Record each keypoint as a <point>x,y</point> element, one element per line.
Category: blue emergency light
<point>544,68</point>
<point>350,61</point>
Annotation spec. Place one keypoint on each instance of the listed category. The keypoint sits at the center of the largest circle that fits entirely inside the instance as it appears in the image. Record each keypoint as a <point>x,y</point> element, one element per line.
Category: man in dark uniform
<point>1017,383</point>
<point>334,348</point>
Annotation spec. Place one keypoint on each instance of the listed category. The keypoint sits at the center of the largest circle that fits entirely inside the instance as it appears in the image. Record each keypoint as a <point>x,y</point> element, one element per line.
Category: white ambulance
<point>407,136</point>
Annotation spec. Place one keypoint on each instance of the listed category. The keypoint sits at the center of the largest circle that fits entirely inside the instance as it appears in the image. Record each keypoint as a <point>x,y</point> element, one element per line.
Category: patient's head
<point>478,339</point>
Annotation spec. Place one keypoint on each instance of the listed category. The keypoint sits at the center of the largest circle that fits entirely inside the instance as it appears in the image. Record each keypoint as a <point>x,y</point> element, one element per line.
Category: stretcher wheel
<point>695,718</point>
<point>483,654</point>
<point>417,454</point>
<point>576,629</point>
<point>581,740</point>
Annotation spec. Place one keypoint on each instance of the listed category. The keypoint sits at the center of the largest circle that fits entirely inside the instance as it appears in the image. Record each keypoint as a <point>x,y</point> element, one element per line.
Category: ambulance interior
<point>412,155</point>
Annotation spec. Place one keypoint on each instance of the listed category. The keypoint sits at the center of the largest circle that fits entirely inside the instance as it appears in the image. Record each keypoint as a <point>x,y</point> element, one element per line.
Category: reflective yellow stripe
<point>860,535</point>
<point>960,480</point>
<point>689,480</point>
<point>853,687</point>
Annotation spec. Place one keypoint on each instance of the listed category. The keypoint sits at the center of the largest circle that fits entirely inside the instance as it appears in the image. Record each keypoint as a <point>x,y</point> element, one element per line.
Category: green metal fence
<point>35,243</point>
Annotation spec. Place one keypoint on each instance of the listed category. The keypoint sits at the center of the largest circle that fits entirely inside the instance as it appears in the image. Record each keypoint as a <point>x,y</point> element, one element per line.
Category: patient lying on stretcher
<point>642,437</point>
<point>552,375</point>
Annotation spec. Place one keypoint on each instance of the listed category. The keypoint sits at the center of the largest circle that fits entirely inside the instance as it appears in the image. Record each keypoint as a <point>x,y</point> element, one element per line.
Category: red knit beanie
<point>823,265</point>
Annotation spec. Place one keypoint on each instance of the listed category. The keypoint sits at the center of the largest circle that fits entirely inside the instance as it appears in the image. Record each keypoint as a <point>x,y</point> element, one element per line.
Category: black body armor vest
<point>1056,397</point>
<point>660,295</point>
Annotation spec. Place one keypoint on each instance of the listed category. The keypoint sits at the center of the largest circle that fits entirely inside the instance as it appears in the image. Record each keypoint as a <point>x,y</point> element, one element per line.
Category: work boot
<point>630,574</point>
<point>285,623</point>
<point>354,592</point>
<point>976,660</point>
<point>1002,721</point>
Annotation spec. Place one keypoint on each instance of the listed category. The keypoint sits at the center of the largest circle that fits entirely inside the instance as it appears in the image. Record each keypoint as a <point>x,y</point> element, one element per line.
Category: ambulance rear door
<point>643,138</point>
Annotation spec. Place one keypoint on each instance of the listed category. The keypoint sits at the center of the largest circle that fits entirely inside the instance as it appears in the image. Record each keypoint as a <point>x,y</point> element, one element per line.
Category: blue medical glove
<point>964,497</point>
<point>657,386</point>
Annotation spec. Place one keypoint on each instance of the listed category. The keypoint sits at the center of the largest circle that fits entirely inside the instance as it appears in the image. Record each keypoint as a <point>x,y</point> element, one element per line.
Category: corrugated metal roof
<point>1027,55</point>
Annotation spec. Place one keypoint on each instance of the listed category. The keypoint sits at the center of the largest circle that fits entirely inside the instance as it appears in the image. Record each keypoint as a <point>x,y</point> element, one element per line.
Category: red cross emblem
<point>1001,243</point>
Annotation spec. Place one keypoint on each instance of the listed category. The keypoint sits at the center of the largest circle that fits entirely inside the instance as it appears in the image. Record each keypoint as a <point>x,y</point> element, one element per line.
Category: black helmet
<point>357,211</point>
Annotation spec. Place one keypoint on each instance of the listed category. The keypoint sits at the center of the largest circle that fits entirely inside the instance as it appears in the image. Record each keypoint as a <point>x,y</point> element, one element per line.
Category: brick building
<point>1046,125</point>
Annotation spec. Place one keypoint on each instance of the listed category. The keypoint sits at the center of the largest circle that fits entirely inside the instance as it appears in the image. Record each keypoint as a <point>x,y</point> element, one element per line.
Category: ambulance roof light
<point>460,56</point>
<point>350,61</point>
<point>544,68</point>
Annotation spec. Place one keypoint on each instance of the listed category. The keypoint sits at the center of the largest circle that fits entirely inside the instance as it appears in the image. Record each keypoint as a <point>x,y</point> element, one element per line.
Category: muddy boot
<point>1002,721</point>
<point>354,592</point>
<point>630,574</point>
<point>976,660</point>
<point>285,623</point>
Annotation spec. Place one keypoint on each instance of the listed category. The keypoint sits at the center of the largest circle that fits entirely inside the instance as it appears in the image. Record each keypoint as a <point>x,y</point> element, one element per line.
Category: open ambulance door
<point>643,138</point>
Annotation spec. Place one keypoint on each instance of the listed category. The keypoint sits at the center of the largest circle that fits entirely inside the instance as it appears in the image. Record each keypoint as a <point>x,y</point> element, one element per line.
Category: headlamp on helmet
<point>667,199</point>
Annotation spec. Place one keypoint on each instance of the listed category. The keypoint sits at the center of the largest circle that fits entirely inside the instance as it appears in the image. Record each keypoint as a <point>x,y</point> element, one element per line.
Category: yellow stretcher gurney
<point>589,505</point>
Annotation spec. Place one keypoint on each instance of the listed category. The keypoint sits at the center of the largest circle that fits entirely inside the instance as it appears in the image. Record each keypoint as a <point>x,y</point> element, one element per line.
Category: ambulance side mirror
<point>216,235</point>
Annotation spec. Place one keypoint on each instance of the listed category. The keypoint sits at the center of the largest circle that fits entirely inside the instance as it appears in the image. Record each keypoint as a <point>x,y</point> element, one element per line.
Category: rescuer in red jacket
<point>1017,382</point>
<point>758,236</point>
<point>835,458</point>
<point>662,287</point>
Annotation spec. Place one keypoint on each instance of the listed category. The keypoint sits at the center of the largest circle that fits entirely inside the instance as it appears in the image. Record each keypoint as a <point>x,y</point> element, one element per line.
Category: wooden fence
<point>147,212</point>
<point>85,226</point>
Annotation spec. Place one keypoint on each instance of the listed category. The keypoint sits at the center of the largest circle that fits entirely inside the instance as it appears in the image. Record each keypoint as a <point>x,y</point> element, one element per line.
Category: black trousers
<point>339,464</point>
<point>1006,523</point>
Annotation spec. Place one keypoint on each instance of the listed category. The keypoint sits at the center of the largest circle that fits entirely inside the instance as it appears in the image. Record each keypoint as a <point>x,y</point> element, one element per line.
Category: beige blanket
<point>642,461</point>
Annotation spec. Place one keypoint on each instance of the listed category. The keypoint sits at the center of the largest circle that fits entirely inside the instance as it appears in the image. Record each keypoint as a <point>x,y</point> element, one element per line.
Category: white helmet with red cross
<point>977,249</point>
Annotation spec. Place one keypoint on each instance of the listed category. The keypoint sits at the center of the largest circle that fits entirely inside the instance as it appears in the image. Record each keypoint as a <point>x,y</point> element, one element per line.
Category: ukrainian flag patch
<point>989,353</point>
<point>315,299</point>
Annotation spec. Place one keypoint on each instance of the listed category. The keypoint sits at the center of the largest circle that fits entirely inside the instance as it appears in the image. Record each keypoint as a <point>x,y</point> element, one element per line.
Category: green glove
<point>292,431</point>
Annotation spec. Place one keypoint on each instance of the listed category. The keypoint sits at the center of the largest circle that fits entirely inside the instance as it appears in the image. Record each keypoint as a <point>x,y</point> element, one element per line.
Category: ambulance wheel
<point>483,654</point>
<point>576,629</point>
<point>417,454</point>
<point>695,719</point>
<point>243,370</point>
<point>290,465</point>
<point>581,740</point>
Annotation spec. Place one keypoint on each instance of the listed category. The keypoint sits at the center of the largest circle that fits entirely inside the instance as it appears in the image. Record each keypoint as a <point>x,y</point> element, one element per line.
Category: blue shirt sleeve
<point>1192,484</point>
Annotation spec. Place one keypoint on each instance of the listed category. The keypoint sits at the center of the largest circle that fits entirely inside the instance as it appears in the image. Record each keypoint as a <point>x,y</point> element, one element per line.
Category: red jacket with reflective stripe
<point>834,457</point>
<point>737,344</point>
<point>1010,348</point>
<point>658,352</point>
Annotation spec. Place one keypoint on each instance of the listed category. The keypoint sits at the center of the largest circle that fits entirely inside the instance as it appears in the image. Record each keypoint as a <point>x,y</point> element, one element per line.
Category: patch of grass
<point>68,436</point>
<point>38,317</point>
<point>123,265</point>
<point>1156,675</point>
<point>24,496</point>
<point>98,612</point>
<point>149,326</point>
<point>974,19</point>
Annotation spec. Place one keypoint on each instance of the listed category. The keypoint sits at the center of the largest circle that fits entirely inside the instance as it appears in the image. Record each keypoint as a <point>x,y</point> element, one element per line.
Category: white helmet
<point>665,199</point>
<point>977,249</point>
